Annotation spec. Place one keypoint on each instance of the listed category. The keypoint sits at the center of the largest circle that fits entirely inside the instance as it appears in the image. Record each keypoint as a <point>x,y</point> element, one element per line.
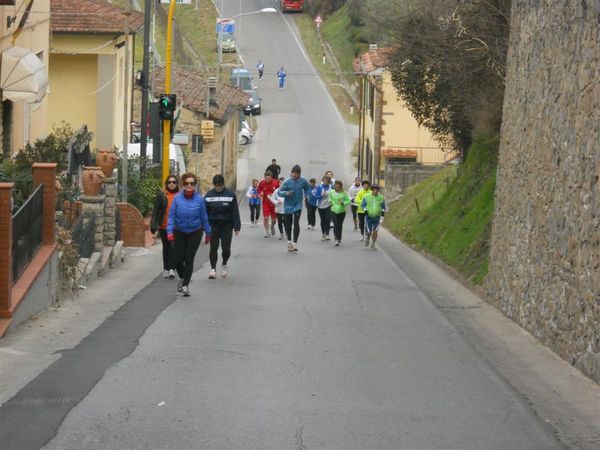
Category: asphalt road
<point>329,348</point>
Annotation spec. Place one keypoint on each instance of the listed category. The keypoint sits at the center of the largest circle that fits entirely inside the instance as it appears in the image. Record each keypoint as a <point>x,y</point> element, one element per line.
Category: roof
<point>191,88</point>
<point>372,60</point>
<point>92,17</point>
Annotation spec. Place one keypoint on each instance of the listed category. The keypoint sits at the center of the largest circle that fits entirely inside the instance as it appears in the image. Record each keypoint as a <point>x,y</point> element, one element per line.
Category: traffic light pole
<point>145,79</point>
<point>168,64</point>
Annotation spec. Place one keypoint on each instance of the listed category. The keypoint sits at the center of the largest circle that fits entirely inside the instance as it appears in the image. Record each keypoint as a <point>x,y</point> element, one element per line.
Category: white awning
<point>22,76</point>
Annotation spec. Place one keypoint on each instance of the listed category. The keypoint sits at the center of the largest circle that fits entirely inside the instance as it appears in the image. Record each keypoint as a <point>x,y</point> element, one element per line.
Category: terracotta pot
<point>106,160</point>
<point>92,179</point>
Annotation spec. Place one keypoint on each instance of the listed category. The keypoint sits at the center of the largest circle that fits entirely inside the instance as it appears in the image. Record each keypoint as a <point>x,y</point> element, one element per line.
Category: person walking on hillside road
<point>325,207</point>
<point>312,202</point>
<point>339,200</point>
<point>293,190</point>
<point>253,202</point>
<point>187,222</point>
<point>274,168</point>
<point>373,204</point>
<point>160,216</point>
<point>352,193</point>
<point>281,77</point>
<point>265,188</point>
<point>224,217</point>
<point>260,66</point>
<point>360,212</point>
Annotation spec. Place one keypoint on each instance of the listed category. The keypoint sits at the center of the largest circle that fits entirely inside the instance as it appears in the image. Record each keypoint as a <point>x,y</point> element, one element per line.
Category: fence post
<point>110,208</point>
<point>93,206</point>
<point>45,173</point>
<point>5,246</point>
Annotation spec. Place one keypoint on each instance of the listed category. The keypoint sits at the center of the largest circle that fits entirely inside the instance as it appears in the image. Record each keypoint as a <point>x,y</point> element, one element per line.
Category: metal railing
<point>83,236</point>
<point>426,156</point>
<point>27,231</point>
<point>117,225</point>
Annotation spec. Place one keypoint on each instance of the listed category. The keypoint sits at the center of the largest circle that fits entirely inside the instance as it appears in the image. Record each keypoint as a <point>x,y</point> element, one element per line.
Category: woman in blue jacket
<point>187,221</point>
<point>293,190</point>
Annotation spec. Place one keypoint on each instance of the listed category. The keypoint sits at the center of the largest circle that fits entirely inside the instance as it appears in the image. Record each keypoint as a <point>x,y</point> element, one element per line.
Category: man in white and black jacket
<point>224,218</point>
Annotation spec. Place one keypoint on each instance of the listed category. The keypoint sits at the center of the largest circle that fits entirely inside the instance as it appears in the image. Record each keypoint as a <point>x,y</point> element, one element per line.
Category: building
<point>91,67</point>
<point>24,43</point>
<point>219,153</point>
<point>388,133</point>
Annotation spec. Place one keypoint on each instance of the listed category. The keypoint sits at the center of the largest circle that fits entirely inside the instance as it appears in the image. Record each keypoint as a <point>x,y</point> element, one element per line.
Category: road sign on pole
<point>318,21</point>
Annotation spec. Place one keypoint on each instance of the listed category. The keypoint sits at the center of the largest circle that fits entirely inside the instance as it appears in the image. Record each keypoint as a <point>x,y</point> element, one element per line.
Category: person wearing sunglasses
<point>160,215</point>
<point>188,220</point>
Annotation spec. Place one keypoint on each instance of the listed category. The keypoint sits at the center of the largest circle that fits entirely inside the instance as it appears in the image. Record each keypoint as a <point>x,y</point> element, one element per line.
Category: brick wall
<point>132,226</point>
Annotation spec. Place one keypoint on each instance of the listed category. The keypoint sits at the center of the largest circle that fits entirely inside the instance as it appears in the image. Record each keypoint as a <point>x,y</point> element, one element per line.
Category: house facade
<point>388,133</point>
<point>24,44</point>
<point>90,68</point>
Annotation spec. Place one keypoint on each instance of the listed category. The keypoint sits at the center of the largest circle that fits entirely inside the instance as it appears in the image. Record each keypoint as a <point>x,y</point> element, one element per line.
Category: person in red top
<point>160,216</point>
<point>265,188</point>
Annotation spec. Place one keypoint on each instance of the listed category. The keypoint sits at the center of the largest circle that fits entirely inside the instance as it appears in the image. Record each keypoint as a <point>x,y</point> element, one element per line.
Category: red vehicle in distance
<point>291,5</point>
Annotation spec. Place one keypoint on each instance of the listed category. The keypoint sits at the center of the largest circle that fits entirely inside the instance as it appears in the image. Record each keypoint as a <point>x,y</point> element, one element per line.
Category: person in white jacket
<point>352,192</point>
<point>279,208</point>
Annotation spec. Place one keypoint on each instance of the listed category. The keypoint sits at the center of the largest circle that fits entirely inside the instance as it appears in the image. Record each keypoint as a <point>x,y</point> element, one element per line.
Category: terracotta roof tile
<point>92,17</point>
<point>372,60</point>
<point>191,88</point>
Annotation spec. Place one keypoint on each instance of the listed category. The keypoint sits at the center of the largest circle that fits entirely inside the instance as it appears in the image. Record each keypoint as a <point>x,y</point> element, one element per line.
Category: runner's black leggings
<point>338,225</point>
<point>254,212</point>
<point>325,215</point>
<point>311,211</point>
<point>184,250</point>
<point>354,209</point>
<point>361,223</point>
<point>288,219</point>
<point>222,232</point>
<point>167,250</point>
<point>280,221</point>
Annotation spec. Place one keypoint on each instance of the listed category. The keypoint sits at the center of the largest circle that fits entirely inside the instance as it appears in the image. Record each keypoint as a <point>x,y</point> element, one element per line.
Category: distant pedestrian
<point>360,212</point>
<point>266,187</point>
<point>160,217</point>
<point>261,69</point>
<point>352,193</point>
<point>293,190</point>
<point>254,202</point>
<point>281,77</point>
<point>187,222</point>
<point>312,202</point>
<point>339,200</point>
<point>274,168</point>
<point>324,207</point>
<point>224,217</point>
<point>374,205</point>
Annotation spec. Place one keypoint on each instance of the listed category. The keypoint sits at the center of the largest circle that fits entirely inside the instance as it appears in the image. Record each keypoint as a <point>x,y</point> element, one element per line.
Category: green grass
<point>456,227</point>
<point>199,28</point>
<point>311,42</point>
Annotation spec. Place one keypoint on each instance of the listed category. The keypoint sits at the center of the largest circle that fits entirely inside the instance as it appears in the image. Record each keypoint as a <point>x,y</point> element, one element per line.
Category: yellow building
<point>388,133</point>
<point>24,35</point>
<point>90,72</point>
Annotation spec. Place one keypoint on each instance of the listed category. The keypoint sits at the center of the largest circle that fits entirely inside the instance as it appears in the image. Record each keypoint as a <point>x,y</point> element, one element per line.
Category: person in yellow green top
<point>366,188</point>
<point>339,200</point>
<point>373,204</point>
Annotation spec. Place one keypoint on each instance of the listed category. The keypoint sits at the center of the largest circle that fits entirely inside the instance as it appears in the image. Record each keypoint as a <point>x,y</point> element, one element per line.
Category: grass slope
<point>456,227</point>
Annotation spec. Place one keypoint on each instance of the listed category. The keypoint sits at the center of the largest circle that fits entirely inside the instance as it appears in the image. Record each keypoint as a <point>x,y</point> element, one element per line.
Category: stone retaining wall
<point>545,248</point>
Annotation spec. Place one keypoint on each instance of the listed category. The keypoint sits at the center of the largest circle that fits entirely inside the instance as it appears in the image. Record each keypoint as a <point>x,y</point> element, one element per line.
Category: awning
<point>22,76</point>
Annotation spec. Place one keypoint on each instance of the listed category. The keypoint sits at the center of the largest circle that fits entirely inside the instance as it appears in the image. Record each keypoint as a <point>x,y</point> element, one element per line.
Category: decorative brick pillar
<point>93,206</point>
<point>110,188</point>
<point>5,246</point>
<point>45,173</point>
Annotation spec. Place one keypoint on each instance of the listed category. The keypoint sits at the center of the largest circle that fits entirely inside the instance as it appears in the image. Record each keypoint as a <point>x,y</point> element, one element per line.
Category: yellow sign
<point>207,129</point>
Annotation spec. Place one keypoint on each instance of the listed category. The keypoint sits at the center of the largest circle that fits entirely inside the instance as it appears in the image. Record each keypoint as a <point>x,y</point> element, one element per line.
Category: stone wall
<point>545,248</point>
<point>398,178</point>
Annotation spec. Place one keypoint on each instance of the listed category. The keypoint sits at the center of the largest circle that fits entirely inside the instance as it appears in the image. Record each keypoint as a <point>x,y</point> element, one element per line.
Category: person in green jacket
<point>339,200</point>
<point>360,212</point>
<point>373,204</point>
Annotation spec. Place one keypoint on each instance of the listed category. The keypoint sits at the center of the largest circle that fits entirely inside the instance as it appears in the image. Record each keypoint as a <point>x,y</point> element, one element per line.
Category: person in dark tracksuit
<point>187,221</point>
<point>160,215</point>
<point>312,202</point>
<point>224,217</point>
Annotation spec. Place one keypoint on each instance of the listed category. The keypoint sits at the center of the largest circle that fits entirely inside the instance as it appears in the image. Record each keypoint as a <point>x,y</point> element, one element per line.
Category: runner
<point>360,212</point>
<point>312,202</point>
<point>160,216</point>
<point>352,192</point>
<point>324,207</point>
<point>339,200</point>
<point>293,189</point>
<point>274,168</point>
<point>224,217</point>
<point>278,202</point>
<point>261,69</point>
<point>374,205</point>
<point>265,188</point>
<point>281,77</point>
<point>254,203</point>
<point>187,221</point>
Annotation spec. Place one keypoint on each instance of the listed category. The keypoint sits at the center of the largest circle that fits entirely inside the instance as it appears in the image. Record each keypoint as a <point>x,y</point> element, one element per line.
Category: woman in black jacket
<point>160,214</point>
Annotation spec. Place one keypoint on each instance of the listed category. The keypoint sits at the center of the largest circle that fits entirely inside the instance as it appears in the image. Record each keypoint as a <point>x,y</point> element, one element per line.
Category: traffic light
<point>166,105</point>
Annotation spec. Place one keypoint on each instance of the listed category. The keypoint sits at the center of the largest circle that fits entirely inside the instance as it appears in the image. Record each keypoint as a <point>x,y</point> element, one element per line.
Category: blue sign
<point>228,27</point>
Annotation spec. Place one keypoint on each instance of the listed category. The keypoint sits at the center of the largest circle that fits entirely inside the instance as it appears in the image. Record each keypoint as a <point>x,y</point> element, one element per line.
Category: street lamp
<point>220,36</point>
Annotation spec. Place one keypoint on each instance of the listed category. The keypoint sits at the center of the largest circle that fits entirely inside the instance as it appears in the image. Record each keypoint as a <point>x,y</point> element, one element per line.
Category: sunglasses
<point>189,183</point>
<point>171,182</point>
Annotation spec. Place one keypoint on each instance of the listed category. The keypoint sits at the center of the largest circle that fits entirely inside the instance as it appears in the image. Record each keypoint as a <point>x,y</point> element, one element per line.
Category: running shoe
<point>223,271</point>
<point>165,274</point>
<point>323,237</point>
<point>373,245</point>
<point>310,228</point>
<point>290,247</point>
<point>171,274</point>
<point>337,243</point>
<point>266,235</point>
<point>362,238</point>
<point>366,241</point>
<point>180,285</point>
<point>281,237</point>
<point>212,274</point>
<point>185,291</point>
<point>295,247</point>
<point>327,238</point>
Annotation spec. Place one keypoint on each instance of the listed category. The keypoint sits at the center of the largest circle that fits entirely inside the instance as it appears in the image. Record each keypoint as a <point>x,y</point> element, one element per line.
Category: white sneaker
<point>323,237</point>
<point>180,285</point>
<point>362,238</point>
<point>165,274</point>
<point>327,238</point>
<point>266,235</point>
<point>295,247</point>
<point>185,291</point>
<point>223,271</point>
<point>310,228</point>
<point>290,247</point>
<point>212,274</point>
<point>171,274</point>
<point>337,243</point>
<point>366,241</point>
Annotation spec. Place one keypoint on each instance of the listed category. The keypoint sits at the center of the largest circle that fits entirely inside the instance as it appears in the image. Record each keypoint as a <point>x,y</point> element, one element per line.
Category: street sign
<point>318,21</point>
<point>197,143</point>
<point>207,129</point>
<point>177,2</point>
<point>228,25</point>
<point>181,138</point>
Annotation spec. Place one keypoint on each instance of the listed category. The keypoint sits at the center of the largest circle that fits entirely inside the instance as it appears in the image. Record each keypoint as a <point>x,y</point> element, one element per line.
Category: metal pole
<point>168,65</point>
<point>145,80</point>
<point>125,161</point>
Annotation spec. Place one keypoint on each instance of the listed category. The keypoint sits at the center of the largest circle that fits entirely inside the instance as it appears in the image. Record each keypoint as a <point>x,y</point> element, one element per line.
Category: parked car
<point>246,133</point>
<point>253,107</point>
<point>242,79</point>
